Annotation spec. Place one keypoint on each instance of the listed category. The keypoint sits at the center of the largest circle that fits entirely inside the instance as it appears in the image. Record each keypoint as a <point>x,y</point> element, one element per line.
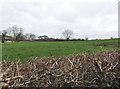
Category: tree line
<point>17,34</point>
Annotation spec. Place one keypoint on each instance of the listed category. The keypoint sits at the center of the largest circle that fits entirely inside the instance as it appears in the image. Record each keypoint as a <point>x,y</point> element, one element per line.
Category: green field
<point>27,50</point>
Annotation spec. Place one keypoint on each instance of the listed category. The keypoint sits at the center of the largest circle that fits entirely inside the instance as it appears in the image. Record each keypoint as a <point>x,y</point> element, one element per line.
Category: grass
<point>27,50</point>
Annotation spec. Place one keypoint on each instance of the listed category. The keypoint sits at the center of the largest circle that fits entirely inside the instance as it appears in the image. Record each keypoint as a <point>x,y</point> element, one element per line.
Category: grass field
<point>27,50</point>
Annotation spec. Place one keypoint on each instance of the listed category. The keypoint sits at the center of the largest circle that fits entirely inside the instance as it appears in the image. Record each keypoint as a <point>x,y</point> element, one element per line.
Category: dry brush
<point>95,70</point>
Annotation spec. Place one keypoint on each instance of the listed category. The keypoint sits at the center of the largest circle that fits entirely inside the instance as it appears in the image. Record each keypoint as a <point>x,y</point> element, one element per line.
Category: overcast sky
<point>86,18</point>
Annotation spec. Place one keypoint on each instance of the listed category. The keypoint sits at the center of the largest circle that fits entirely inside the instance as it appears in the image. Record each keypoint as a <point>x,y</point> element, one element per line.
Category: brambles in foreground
<point>96,70</point>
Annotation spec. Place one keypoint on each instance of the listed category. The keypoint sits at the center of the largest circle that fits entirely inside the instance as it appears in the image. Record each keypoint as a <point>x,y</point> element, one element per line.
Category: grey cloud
<point>51,17</point>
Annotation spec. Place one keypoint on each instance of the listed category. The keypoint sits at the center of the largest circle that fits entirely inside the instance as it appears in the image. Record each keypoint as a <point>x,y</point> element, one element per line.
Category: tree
<point>4,33</point>
<point>27,36</point>
<point>19,36</point>
<point>67,34</point>
<point>16,32</point>
<point>30,36</point>
<point>86,38</point>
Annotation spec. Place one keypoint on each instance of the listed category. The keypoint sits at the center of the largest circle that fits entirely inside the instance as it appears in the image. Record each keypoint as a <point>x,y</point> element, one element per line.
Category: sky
<point>86,18</point>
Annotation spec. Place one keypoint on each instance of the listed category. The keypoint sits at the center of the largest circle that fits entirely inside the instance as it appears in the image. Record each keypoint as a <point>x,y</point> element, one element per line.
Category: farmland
<point>27,50</point>
<point>83,64</point>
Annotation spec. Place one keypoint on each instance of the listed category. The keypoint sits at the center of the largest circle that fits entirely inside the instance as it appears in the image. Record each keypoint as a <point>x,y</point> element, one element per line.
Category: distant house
<point>43,37</point>
<point>8,38</point>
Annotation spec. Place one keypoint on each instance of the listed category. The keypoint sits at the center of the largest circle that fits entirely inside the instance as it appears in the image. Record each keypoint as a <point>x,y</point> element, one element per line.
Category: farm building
<point>8,38</point>
<point>43,37</point>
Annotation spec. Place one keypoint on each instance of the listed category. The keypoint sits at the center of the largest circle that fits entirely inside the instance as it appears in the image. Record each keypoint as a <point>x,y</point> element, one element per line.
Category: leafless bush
<point>96,70</point>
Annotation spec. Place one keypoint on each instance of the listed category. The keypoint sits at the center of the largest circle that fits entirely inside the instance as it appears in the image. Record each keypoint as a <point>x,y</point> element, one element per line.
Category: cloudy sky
<point>86,18</point>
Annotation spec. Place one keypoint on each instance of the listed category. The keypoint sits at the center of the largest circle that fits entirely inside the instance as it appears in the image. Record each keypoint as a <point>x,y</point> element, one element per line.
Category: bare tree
<point>27,36</point>
<point>67,34</point>
<point>86,38</point>
<point>16,32</point>
<point>30,36</point>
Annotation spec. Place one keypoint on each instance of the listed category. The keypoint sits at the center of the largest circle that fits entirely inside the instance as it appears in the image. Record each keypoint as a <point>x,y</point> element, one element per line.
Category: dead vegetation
<point>96,70</point>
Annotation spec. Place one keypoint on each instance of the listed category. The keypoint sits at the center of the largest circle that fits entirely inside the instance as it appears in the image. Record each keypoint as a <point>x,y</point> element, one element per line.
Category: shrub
<point>91,71</point>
